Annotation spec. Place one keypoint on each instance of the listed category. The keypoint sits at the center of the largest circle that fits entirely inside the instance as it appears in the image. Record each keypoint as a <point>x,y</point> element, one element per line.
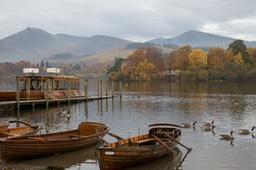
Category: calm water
<point>231,106</point>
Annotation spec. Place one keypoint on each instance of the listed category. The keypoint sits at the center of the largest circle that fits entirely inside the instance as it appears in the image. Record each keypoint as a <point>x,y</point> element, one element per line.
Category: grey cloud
<point>136,20</point>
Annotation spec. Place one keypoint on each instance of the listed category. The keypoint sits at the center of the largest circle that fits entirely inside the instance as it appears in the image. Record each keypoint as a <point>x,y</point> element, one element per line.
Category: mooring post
<point>33,106</point>
<point>98,88</point>
<point>113,86</point>
<point>47,93</point>
<point>86,90</point>
<point>101,89</point>
<point>28,88</point>
<point>107,89</point>
<point>120,89</point>
<point>18,94</point>
<point>69,89</point>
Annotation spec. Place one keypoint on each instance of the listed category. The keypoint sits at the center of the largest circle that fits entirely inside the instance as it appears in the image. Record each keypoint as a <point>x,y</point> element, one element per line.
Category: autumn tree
<point>181,61</point>
<point>197,65</point>
<point>146,71</point>
<point>252,54</point>
<point>197,57</point>
<point>143,64</point>
<point>230,56</point>
<point>238,46</point>
<point>216,62</point>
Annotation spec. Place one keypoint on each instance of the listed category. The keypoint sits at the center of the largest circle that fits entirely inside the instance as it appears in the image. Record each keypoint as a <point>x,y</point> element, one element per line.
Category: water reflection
<point>166,163</point>
<point>231,106</point>
<point>65,160</point>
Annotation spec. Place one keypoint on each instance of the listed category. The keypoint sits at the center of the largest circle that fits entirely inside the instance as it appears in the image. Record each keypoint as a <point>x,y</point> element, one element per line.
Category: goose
<point>188,125</point>
<point>227,137</point>
<point>246,131</point>
<point>208,128</point>
<point>208,123</point>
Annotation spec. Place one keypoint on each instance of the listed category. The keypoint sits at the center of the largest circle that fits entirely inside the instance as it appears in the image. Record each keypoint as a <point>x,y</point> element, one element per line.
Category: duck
<point>246,131</point>
<point>208,123</point>
<point>63,113</point>
<point>227,137</point>
<point>188,125</point>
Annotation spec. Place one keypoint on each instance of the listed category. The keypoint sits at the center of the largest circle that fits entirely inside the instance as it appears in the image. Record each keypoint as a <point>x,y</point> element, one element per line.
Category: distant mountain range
<point>34,45</point>
<point>197,39</point>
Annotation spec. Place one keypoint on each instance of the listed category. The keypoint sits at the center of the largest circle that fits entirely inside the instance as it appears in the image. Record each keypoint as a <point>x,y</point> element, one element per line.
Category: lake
<point>232,106</point>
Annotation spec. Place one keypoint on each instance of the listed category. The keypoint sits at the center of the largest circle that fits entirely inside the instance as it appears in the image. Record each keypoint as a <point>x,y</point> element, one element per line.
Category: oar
<point>188,149</point>
<point>163,144</point>
<point>103,140</point>
<point>20,121</point>
<point>172,138</point>
<point>116,136</point>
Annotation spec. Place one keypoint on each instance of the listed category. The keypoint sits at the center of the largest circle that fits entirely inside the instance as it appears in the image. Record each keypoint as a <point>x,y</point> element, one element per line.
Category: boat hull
<point>123,154</point>
<point>18,148</point>
<point>127,157</point>
<point>11,95</point>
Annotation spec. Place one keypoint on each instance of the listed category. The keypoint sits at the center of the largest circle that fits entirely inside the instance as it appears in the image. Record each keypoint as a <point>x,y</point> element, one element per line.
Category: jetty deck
<point>55,101</point>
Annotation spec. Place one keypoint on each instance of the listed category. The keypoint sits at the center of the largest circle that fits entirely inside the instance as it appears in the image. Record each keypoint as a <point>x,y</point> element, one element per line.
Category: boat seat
<point>89,129</point>
<point>142,142</point>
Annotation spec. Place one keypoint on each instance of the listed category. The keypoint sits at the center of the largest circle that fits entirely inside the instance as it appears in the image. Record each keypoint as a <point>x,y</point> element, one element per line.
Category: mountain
<point>98,44</point>
<point>199,39</point>
<point>35,45</point>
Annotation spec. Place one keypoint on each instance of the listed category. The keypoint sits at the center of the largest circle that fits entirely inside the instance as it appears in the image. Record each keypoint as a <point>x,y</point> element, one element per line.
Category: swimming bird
<point>63,113</point>
<point>208,128</point>
<point>246,131</point>
<point>227,137</point>
<point>188,125</point>
<point>208,123</point>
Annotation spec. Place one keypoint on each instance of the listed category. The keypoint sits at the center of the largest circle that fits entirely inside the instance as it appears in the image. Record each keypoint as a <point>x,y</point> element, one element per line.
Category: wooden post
<point>120,89</point>
<point>86,90</point>
<point>113,85</point>
<point>69,88</point>
<point>101,89</point>
<point>18,94</point>
<point>33,106</point>
<point>47,93</point>
<point>28,88</point>
<point>98,89</point>
<point>106,88</point>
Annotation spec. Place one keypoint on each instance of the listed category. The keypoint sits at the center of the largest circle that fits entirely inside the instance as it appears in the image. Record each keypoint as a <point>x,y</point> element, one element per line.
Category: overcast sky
<point>136,20</point>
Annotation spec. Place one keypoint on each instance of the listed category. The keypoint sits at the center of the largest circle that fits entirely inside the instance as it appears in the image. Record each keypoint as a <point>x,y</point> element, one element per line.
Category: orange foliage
<point>197,57</point>
<point>216,57</point>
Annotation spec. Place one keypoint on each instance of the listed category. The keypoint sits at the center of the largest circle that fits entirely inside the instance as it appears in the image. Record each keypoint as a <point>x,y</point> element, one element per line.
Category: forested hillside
<point>237,63</point>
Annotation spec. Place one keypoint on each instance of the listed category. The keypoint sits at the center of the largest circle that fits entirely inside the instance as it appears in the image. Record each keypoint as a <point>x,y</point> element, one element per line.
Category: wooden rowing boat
<point>161,140</point>
<point>32,146</point>
<point>21,128</point>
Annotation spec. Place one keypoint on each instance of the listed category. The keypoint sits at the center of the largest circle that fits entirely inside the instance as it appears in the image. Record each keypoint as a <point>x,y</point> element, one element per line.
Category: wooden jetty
<point>34,89</point>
